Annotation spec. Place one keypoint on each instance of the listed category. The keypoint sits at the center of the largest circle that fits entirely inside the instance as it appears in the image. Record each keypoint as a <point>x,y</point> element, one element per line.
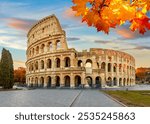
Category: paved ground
<point>56,98</point>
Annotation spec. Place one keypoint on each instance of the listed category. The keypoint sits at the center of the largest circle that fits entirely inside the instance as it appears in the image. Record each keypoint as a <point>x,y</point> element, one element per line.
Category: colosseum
<point>51,64</point>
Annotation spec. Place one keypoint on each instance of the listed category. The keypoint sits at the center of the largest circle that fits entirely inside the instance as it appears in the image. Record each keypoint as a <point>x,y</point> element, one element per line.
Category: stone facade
<point>50,63</point>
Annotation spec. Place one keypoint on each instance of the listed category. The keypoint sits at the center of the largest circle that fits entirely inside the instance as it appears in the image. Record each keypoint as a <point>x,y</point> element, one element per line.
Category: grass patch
<point>132,98</point>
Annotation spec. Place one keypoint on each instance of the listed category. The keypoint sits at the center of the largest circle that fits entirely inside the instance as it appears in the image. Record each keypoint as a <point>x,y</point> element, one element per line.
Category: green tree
<point>6,70</point>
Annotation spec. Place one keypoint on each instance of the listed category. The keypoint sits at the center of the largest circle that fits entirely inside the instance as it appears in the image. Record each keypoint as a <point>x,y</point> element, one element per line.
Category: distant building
<point>50,63</point>
<point>143,75</point>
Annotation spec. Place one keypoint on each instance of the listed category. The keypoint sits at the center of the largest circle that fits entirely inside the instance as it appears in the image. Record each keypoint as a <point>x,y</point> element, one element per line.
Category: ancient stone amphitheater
<point>50,63</point>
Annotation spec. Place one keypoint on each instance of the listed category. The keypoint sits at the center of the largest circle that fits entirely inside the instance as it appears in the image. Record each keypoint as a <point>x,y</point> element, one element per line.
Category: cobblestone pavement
<point>55,98</point>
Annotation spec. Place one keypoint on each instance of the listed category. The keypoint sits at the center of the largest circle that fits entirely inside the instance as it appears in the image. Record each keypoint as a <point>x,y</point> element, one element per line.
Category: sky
<point>18,16</point>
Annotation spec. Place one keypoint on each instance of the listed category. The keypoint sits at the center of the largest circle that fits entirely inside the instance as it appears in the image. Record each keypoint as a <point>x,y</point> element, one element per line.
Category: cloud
<point>102,41</point>
<point>12,42</point>
<point>127,34</point>
<point>138,48</point>
<point>20,24</point>
<point>72,38</point>
<point>69,13</point>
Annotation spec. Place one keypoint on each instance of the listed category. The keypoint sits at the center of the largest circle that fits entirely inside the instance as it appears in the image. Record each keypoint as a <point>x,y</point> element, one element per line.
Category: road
<point>56,98</point>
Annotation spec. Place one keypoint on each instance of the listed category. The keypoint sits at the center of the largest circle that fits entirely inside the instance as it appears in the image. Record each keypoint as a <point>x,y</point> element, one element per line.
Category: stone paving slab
<point>55,98</point>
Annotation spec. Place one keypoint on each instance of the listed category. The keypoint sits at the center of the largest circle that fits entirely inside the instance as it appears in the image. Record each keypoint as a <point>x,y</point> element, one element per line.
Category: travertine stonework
<point>50,63</point>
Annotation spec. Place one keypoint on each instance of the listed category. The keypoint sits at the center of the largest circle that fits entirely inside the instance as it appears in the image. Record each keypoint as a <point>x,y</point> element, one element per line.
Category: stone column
<point>106,70</point>
<point>62,82</point>
<point>53,83</point>
<point>53,63</point>
<point>72,60</point>
<point>62,62</point>
<point>72,81</point>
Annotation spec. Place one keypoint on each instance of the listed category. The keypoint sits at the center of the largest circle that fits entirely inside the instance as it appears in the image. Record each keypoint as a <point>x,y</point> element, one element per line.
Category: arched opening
<point>120,66</point>
<point>80,63</point>
<point>58,44</point>
<point>42,82</point>
<point>57,81</point>
<point>57,63</point>
<point>36,65</point>
<point>67,81</point>
<point>127,81</point>
<point>115,67</point>
<point>115,81</point>
<point>32,82</point>
<point>103,65</point>
<point>49,63</point>
<point>124,82</point>
<point>49,80</point>
<point>98,82</point>
<point>109,67</point>
<point>36,82</point>
<point>88,63</point>
<point>42,48</point>
<point>37,50</point>
<point>130,82</point>
<point>77,81</point>
<point>67,62</point>
<point>42,64</point>
<point>29,82</point>
<point>50,46</point>
<point>97,65</point>
<point>32,67</point>
<point>89,81</point>
<point>120,81</point>
<point>109,81</point>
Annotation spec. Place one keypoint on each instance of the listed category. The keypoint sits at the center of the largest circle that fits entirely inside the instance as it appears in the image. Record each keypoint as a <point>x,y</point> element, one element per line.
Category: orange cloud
<point>69,13</point>
<point>20,24</point>
<point>126,33</point>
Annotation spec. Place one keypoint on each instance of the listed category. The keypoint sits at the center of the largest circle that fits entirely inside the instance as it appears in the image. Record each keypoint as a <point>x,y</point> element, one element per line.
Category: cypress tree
<point>6,67</point>
<point>11,69</point>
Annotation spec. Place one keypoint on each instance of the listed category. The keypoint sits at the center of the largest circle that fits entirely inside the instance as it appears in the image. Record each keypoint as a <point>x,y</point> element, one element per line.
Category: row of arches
<point>110,67</point>
<point>78,81</point>
<point>67,63</point>
<point>121,81</point>
<point>50,46</point>
<point>32,67</point>
<point>41,82</point>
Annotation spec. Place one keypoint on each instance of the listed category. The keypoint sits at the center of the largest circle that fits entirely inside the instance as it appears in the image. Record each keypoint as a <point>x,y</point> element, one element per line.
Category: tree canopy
<point>106,14</point>
<point>6,70</point>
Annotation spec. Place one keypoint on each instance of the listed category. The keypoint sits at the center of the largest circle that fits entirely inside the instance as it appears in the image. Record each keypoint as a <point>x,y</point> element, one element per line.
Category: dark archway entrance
<point>67,81</point>
<point>109,82</point>
<point>42,82</point>
<point>49,80</point>
<point>98,82</point>
<point>77,81</point>
<point>36,82</point>
<point>89,81</point>
<point>120,82</point>
<point>124,82</point>
<point>57,81</point>
<point>115,81</point>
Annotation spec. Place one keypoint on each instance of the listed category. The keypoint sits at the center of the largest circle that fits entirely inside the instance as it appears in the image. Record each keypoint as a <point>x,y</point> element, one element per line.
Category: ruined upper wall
<point>48,26</point>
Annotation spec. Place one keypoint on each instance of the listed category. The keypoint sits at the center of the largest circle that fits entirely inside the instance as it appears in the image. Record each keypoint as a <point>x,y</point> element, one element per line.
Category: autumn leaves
<point>106,14</point>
